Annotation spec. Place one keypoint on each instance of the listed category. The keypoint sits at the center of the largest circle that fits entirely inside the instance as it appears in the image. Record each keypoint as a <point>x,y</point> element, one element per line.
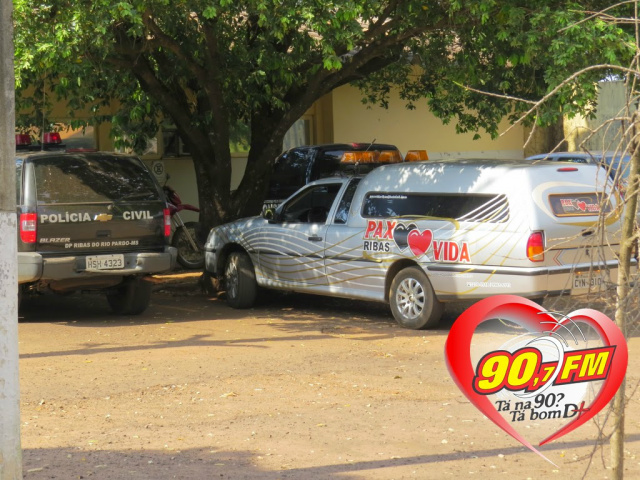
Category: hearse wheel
<point>413,302</point>
<point>131,297</point>
<point>240,281</point>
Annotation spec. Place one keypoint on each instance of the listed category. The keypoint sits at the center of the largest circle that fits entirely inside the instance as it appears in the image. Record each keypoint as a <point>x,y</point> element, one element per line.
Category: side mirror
<point>271,215</point>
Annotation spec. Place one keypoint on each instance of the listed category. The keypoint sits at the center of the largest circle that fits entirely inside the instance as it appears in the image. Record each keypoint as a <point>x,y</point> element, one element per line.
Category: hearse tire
<point>413,302</point>
<point>240,281</point>
<point>130,298</point>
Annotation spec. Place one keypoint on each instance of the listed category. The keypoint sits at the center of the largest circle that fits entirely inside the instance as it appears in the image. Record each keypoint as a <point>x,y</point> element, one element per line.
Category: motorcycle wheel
<point>187,256</point>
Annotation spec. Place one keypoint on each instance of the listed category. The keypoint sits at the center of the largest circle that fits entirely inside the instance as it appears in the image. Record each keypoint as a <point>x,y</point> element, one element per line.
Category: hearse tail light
<point>167,222</point>
<point>535,247</point>
<point>360,157</point>
<point>28,227</point>
<point>416,156</point>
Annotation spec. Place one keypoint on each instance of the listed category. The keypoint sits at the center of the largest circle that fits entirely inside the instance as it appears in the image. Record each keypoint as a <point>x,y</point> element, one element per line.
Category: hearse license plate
<point>105,262</point>
<point>589,281</point>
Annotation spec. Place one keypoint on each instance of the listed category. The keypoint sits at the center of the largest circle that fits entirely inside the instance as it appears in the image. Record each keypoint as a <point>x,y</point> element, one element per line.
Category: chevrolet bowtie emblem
<point>103,217</point>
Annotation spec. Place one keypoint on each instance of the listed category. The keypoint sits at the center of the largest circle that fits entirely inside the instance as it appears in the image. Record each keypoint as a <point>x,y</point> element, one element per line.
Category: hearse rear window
<point>462,207</point>
<point>578,204</point>
<point>92,179</point>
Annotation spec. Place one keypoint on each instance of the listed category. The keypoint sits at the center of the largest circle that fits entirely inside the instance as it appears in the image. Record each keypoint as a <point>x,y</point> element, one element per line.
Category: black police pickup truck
<point>91,221</point>
<point>300,165</point>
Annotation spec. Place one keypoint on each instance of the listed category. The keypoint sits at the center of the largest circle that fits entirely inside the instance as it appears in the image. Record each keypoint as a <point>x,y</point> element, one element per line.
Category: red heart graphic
<point>419,243</point>
<point>582,205</point>
<point>533,318</point>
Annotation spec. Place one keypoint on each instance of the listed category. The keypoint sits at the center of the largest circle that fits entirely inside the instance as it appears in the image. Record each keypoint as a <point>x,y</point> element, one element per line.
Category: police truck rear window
<point>92,179</point>
<point>462,207</point>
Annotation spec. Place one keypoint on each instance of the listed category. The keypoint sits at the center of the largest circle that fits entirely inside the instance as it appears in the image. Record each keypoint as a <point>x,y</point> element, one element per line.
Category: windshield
<point>92,179</point>
<point>619,163</point>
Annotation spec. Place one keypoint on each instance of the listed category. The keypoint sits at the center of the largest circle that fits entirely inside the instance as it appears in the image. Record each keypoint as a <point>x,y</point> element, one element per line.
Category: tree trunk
<point>213,177</point>
<point>624,273</point>
<point>252,189</point>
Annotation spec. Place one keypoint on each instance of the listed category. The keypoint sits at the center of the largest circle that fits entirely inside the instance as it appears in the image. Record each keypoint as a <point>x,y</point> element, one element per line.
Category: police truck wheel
<point>240,281</point>
<point>130,298</point>
<point>413,302</point>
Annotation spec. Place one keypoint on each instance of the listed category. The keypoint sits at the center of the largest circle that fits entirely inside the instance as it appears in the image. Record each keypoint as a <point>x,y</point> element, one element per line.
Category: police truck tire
<point>130,298</point>
<point>413,302</point>
<point>187,256</point>
<point>240,281</point>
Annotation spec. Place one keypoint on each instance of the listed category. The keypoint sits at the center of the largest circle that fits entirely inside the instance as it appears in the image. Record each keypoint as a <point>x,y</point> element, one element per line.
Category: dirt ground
<point>298,388</point>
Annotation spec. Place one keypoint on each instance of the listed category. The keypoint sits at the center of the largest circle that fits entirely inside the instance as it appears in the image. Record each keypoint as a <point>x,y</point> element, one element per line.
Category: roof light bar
<point>416,156</point>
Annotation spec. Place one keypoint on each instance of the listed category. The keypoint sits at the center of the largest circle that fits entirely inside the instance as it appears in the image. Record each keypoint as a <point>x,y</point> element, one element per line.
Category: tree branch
<point>159,39</point>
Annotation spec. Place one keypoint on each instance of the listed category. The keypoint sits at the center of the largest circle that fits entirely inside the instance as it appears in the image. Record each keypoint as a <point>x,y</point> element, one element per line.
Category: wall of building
<point>341,117</point>
<point>182,178</point>
<point>415,129</point>
<point>606,130</point>
<point>338,117</point>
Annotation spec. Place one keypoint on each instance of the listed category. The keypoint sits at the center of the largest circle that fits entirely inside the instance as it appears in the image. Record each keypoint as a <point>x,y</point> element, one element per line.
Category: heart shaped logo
<point>419,242</point>
<point>582,205</point>
<point>548,372</point>
<point>400,234</point>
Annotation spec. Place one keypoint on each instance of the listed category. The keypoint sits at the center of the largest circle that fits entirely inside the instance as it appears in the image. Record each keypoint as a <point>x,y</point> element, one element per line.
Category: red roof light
<point>49,138</point>
<point>22,139</point>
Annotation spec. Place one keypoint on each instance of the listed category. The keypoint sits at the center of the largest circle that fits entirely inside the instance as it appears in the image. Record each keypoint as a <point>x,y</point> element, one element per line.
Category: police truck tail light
<point>28,224</point>
<point>535,247</point>
<point>167,222</point>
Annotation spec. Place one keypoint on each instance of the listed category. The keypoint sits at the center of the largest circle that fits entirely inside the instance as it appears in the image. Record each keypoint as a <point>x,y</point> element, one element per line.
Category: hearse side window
<point>462,207</point>
<point>312,205</point>
<point>342,214</point>
<point>92,179</point>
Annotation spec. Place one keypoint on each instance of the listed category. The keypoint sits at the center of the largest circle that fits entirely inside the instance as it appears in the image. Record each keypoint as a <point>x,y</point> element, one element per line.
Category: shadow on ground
<point>67,463</point>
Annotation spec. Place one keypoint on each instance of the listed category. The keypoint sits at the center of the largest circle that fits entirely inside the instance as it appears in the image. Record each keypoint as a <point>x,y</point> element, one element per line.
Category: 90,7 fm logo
<point>525,370</point>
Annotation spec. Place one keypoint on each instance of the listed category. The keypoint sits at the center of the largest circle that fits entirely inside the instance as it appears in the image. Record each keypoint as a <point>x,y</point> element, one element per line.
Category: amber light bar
<point>416,156</point>
<point>372,156</point>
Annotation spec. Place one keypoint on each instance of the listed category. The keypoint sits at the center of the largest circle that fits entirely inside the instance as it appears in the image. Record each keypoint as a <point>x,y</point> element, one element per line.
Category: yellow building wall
<point>339,117</point>
<point>608,130</point>
<point>415,129</point>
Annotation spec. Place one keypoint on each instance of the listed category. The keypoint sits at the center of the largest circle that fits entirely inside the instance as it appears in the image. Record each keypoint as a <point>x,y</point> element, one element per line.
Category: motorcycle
<point>186,235</point>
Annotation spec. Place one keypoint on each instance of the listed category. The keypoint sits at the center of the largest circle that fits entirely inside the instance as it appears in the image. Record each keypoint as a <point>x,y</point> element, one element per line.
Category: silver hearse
<point>416,235</point>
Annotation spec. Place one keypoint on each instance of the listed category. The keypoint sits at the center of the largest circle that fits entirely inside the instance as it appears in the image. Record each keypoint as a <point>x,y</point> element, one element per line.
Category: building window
<point>299,134</point>
<point>173,146</point>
